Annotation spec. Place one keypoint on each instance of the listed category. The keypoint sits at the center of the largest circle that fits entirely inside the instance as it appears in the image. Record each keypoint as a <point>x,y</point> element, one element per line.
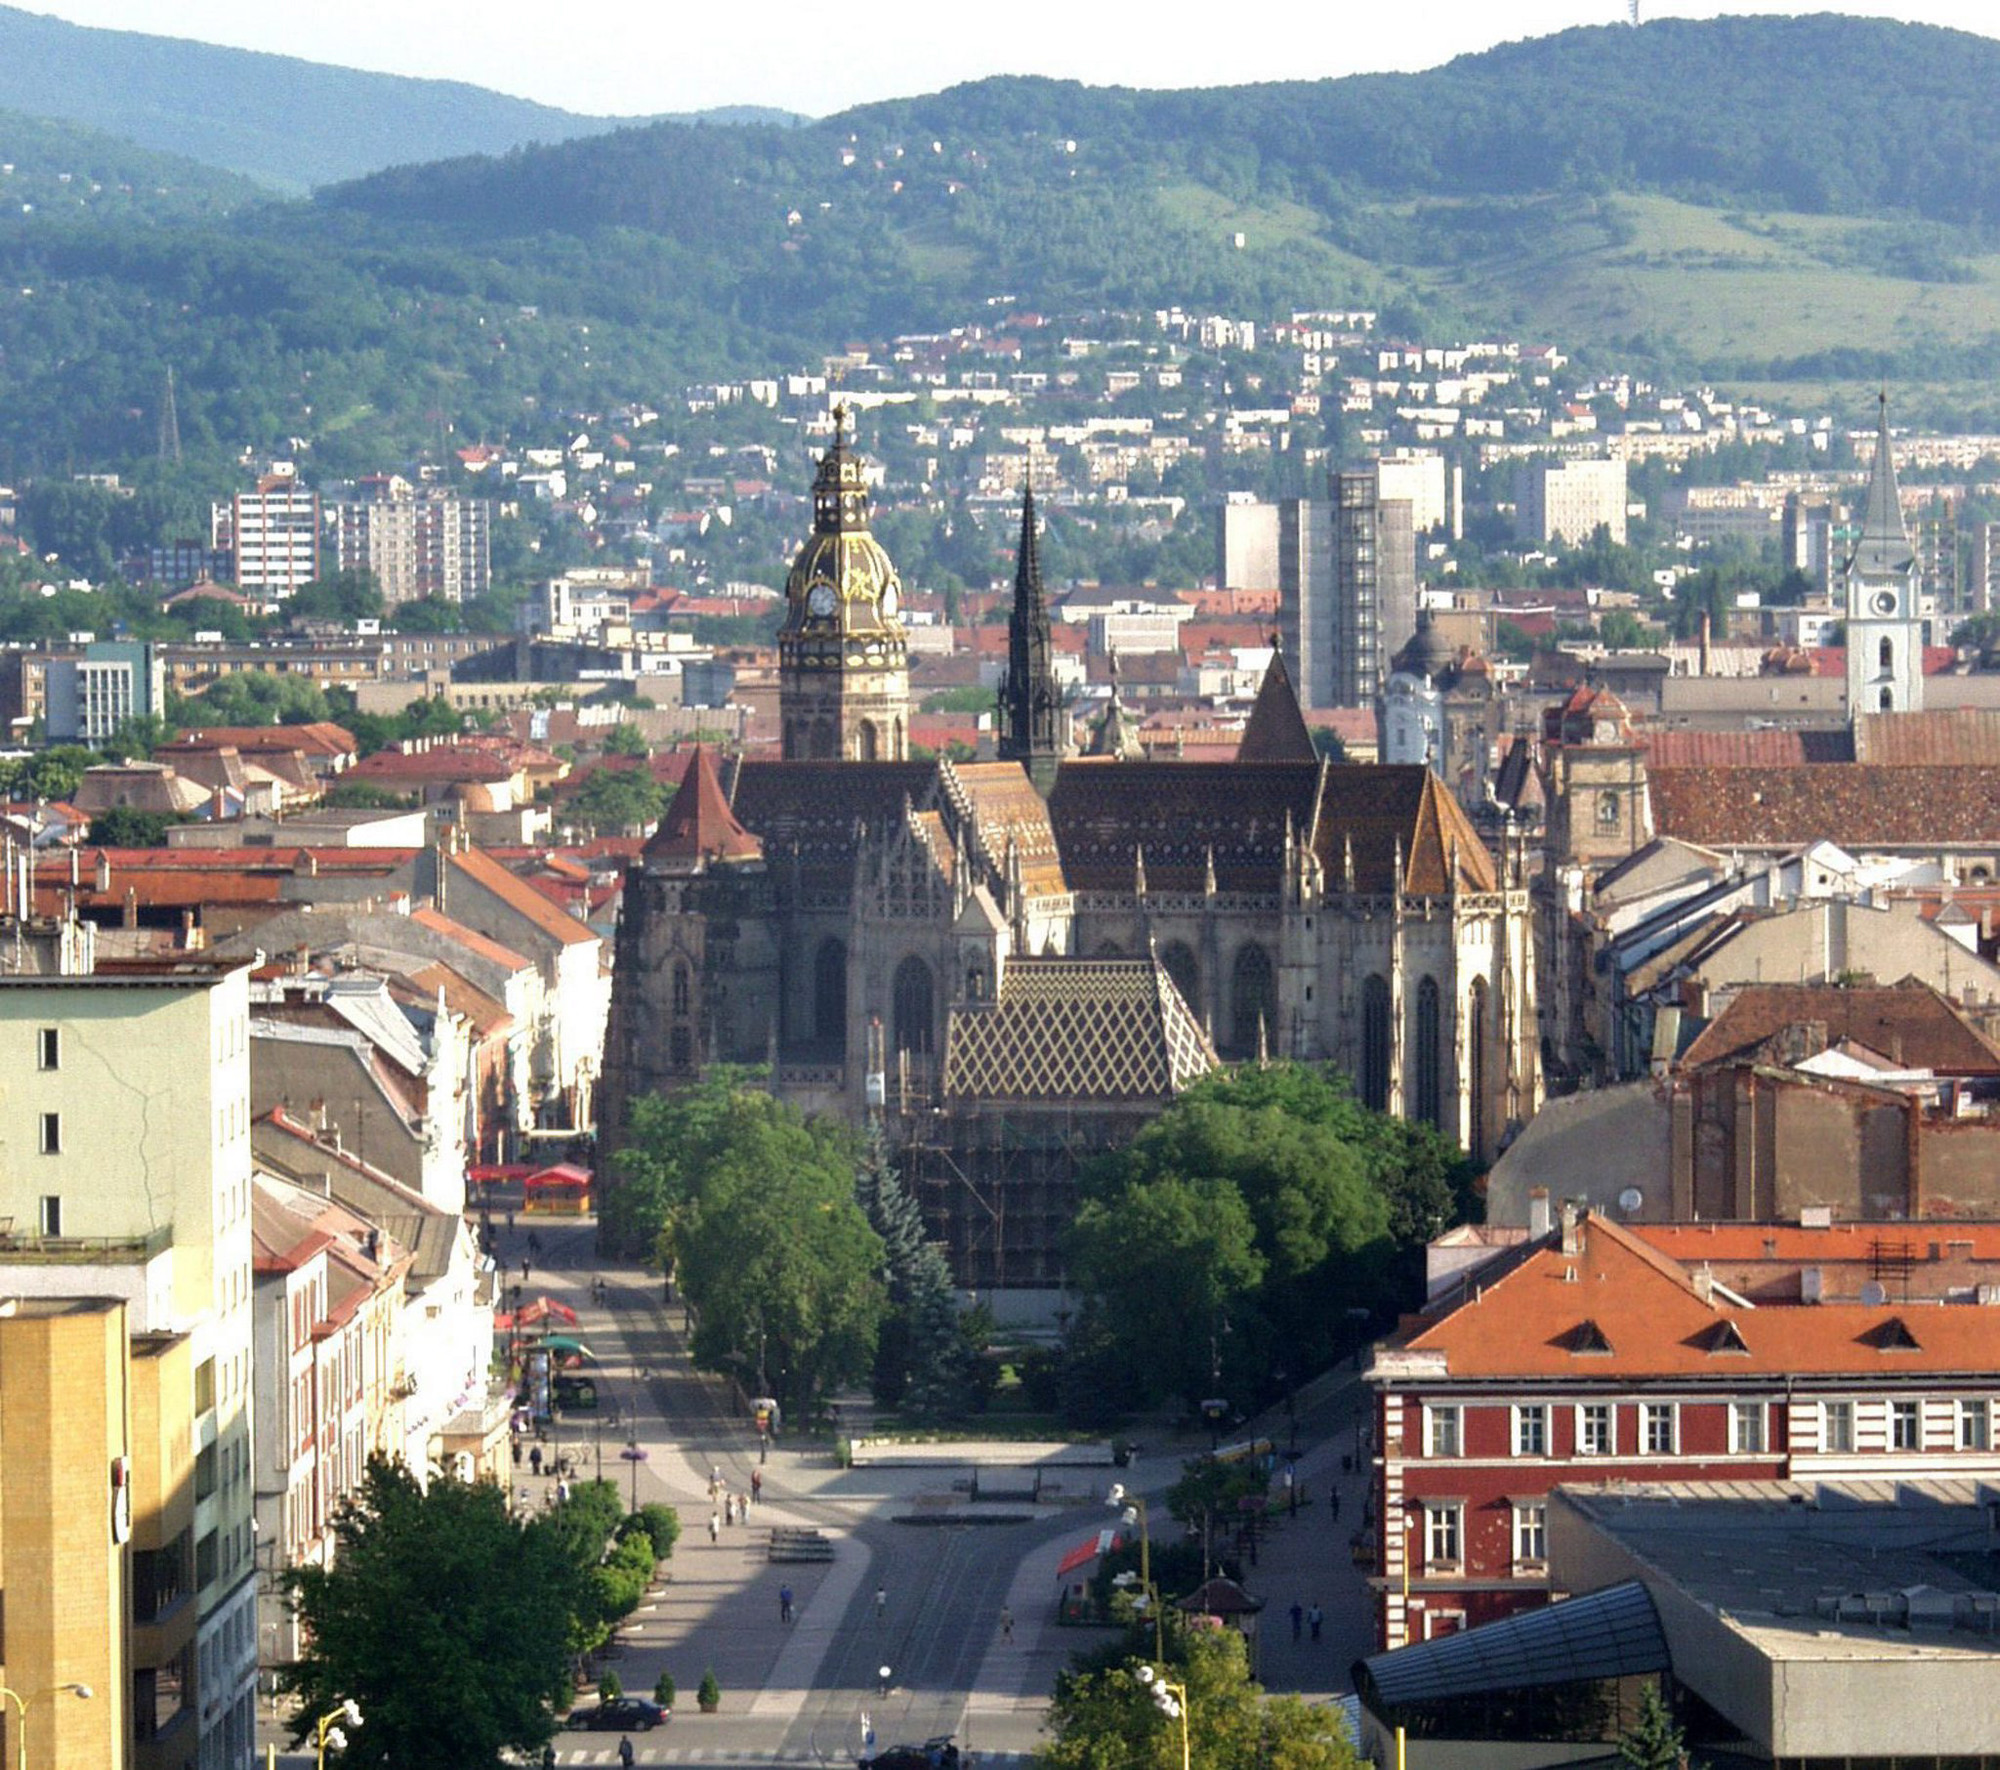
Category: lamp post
<point>1132,1509</point>
<point>635,1454</point>
<point>82,1692</point>
<point>1171,1700</point>
<point>326,1731</point>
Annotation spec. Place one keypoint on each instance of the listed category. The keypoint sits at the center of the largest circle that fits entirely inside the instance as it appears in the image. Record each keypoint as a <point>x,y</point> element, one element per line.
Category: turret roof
<point>699,827</point>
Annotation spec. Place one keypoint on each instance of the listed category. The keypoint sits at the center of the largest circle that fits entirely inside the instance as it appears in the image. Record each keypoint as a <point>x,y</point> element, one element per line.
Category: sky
<point>636,57</point>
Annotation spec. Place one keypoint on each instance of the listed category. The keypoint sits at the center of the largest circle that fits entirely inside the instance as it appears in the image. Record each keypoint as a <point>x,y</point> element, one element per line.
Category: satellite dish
<point>1873,1294</point>
<point>1630,1200</point>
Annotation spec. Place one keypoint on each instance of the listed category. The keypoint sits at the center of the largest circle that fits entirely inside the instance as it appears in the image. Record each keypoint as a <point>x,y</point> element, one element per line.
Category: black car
<point>933,1754</point>
<point>623,1714</point>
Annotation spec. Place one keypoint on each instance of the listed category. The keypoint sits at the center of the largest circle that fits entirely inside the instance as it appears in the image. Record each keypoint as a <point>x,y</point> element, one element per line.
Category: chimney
<point>1701,668</point>
<point>1539,1218</point>
<point>103,870</point>
<point>1572,1224</point>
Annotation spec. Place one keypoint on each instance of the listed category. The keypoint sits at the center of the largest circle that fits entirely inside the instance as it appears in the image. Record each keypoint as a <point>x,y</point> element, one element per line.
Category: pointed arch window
<point>915,1011</point>
<point>683,988</point>
<point>830,994</point>
<point>1888,654</point>
<point>1252,1000</point>
<point>1375,1043</point>
<point>1430,1055</point>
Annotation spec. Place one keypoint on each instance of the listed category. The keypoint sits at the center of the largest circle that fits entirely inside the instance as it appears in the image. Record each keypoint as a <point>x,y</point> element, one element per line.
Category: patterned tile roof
<point>1004,806</point>
<point>1076,1031</point>
<point>1860,806</point>
<point>1908,1022</point>
<point>1377,806</point>
<point>1179,812</point>
<point>813,807</point>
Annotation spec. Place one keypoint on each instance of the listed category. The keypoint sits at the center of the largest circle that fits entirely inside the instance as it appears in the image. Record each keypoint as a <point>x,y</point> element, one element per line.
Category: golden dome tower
<point>843,664</point>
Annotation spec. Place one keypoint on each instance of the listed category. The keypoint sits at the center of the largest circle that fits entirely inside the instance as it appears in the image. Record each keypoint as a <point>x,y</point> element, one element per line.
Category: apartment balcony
<point>21,1249</point>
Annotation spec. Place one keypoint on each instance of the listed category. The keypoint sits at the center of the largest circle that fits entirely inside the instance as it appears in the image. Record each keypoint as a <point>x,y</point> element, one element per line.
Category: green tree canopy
<point>123,827</point>
<point>442,1617</point>
<point>615,799</point>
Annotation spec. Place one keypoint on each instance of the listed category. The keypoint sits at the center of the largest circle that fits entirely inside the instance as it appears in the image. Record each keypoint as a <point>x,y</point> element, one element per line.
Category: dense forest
<point>1483,195</point>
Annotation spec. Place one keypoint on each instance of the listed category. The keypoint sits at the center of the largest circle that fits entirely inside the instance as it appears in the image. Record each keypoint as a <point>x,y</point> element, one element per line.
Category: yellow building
<point>94,1439</point>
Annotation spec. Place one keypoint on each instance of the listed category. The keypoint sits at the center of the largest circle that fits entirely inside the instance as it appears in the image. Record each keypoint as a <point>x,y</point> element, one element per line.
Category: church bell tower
<point>1030,707</point>
<point>843,665</point>
<point>1885,632</point>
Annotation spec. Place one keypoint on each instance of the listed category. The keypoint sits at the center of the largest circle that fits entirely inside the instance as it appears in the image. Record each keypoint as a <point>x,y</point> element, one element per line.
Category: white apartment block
<point>1569,501</point>
<point>125,1171</point>
<point>419,544</point>
<point>273,534</point>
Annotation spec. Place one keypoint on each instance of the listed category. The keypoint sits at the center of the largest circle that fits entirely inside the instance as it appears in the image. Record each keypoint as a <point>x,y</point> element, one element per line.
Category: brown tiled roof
<point>1960,736</point>
<point>1377,806</point>
<point>812,807</point>
<point>1276,731</point>
<point>1746,749</point>
<point>1178,812</point>
<point>699,826</point>
<point>319,737</point>
<point>1075,1030</point>
<point>1910,1023</point>
<point>519,896</point>
<point>471,939</point>
<point>1857,805</point>
<point>445,763</point>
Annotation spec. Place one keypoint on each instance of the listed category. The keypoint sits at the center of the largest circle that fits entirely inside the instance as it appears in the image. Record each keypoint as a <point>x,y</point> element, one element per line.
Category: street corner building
<point>1018,961</point>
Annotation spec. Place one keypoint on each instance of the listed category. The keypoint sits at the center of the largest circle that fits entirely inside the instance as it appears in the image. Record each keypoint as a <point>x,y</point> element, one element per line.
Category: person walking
<point>524,1268</point>
<point>1298,1616</point>
<point>625,1752</point>
<point>756,1485</point>
<point>1333,1499</point>
<point>535,1458</point>
<point>1006,1624</point>
<point>714,1528</point>
<point>1314,1617</point>
<point>548,1757</point>
<point>881,1602</point>
<point>784,1604</point>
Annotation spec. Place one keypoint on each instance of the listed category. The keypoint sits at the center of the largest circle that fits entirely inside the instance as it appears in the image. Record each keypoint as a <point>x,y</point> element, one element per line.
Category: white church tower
<point>1885,633</point>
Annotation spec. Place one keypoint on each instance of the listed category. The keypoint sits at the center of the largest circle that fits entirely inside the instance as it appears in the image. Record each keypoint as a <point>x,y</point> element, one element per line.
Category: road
<point>801,1693</point>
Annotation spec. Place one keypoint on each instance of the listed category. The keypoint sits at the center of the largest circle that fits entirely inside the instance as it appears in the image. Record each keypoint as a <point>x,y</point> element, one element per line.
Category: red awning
<point>565,1175</point>
<point>1086,1552</point>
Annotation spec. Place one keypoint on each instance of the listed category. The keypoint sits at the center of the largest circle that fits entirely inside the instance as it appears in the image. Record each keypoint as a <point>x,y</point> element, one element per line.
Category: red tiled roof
<point>471,939</point>
<point>446,763</point>
<point>1745,749</point>
<point>520,897</point>
<point>699,826</point>
<point>1910,1023</point>
<point>1857,805</point>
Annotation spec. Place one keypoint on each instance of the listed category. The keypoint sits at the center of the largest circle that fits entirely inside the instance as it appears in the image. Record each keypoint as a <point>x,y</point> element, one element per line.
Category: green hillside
<point>56,169</point>
<point>1770,201</point>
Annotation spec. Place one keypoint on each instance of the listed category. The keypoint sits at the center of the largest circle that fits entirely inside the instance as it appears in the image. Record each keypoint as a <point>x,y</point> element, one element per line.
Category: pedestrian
<point>1298,1614</point>
<point>881,1602</point>
<point>714,1527</point>
<point>1314,1617</point>
<point>510,1222</point>
<point>548,1757</point>
<point>625,1753</point>
<point>756,1485</point>
<point>535,1458</point>
<point>1006,1623</point>
<point>524,1268</point>
<point>1334,1499</point>
<point>784,1604</point>
<point>562,1493</point>
<point>517,1453</point>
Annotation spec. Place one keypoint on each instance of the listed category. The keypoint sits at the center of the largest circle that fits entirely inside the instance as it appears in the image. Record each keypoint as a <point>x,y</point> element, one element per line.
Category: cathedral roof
<point>1884,550</point>
<point>699,826</point>
<point>813,807</point>
<point>1375,809</point>
<point>1276,731</point>
<point>1076,1031</point>
<point>1004,809</point>
<point>1180,813</point>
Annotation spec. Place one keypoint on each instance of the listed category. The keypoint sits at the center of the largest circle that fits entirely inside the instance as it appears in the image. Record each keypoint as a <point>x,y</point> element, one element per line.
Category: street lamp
<point>327,1731</point>
<point>1132,1510</point>
<point>1171,1700</point>
<point>82,1692</point>
<point>635,1454</point>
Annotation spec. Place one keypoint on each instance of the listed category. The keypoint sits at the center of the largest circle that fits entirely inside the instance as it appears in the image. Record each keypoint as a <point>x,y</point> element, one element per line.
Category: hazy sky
<point>630,56</point>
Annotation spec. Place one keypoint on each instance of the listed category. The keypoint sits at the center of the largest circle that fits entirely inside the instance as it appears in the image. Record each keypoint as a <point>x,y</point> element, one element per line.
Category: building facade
<point>427,544</point>
<point>1882,588</point>
<point>88,697</point>
<point>1569,501</point>
<point>272,534</point>
<point>1374,609</point>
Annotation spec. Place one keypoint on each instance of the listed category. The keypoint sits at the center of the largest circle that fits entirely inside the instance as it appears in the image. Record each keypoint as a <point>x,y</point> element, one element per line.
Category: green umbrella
<point>563,1343</point>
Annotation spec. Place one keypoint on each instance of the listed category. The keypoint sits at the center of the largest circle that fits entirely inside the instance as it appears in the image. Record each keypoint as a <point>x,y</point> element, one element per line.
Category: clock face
<point>1885,602</point>
<point>821,600</point>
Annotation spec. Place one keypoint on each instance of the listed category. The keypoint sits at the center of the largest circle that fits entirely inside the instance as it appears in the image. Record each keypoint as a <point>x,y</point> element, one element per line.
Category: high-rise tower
<point>1030,708</point>
<point>1885,636</point>
<point>843,666</point>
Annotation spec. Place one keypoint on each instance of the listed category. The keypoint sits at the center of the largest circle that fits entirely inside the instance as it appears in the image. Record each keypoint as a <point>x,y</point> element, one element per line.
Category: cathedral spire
<point>1884,549</point>
<point>1029,707</point>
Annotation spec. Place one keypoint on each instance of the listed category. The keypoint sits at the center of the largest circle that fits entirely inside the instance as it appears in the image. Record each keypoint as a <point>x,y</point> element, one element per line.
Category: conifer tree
<point>920,1361</point>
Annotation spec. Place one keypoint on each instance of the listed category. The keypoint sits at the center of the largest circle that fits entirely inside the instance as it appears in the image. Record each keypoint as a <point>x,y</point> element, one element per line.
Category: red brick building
<point>1599,1352</point>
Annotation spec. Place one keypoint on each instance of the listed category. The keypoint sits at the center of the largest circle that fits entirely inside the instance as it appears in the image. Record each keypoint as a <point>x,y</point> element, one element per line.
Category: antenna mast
<point>1635,13</point>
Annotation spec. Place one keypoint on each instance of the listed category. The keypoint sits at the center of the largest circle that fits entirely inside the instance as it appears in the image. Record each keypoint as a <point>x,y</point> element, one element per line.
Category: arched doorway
<point>914,1012</point>
<point>1430,1055</point>
<point>1252,1000</point>
<point>830,995</point>
<point>1178,958</point>
<point>1375,1043</point>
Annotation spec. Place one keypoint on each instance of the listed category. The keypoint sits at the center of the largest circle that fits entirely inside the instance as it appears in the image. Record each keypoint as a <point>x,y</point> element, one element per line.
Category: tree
<point>344,596</point>
<point>1654,1741</point>
<point>441,1616</point>
<point>617,799</point>
<point>922,1354</point>
<point>626,739</point>
<point>1105,1717</point>
<point>121,826</point>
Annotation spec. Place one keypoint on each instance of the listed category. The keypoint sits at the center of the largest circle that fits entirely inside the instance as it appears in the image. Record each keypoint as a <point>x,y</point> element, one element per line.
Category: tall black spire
<point>1030,710</point>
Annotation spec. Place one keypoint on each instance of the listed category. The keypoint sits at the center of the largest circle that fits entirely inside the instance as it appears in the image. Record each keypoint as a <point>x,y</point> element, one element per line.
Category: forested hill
<point>288,123</point>
<point>1822,114</point>
<point>63,170</point>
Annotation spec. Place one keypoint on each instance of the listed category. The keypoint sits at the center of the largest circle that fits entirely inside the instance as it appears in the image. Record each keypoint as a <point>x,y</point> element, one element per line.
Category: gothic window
<point>1375,1043</point>
<point>1888,700</point>
<point>1475,1041</point>
<point>830,994</point>
<point>1888,654</point>
<point>868,741</point>
<point>683,989</point>
<point>1179,960</point>
<point>1607,810</point>
<point>914,1013</point>
<point>1430,1055</point>
<point>1252,1001</point>
<point>823,747</point>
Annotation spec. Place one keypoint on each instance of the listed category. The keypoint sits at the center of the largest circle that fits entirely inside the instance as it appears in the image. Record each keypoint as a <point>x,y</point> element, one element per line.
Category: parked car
<point>933,1754</point>
<point>624,1714</point>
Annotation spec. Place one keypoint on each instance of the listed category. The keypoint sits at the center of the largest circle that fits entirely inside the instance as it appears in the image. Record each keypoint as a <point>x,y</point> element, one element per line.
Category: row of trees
<point>455,1626</point>
<point>795,1245</point>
